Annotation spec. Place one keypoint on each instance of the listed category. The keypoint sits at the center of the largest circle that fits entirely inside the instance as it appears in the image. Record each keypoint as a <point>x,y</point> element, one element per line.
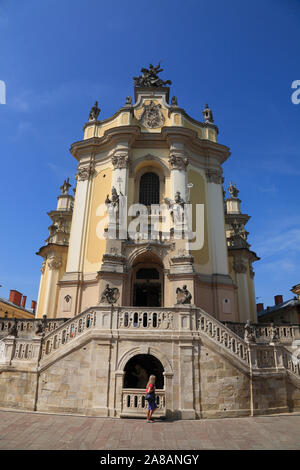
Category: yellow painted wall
<point>95,247</point>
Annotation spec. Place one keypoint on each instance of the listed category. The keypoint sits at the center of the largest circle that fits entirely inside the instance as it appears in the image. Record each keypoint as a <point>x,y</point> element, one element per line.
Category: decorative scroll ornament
<point>152,116</point>
<point>54,263</point>
<point>120,160</point>
<point>214,176</point>
<point>86,172</point>
<point>178,163</point>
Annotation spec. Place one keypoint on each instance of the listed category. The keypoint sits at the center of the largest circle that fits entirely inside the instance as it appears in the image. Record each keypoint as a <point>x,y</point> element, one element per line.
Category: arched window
<point>149,189</point>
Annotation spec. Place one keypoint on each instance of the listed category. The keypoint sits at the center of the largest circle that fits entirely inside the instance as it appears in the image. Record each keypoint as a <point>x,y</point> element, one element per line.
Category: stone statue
<point>13,331</point>
<point>233,191</point>
<point>249,334</point>
<point>183,295</point>
<point>273,334</point>
<point>128,101</point>
<point>94,112</point>
<point>174,101</point>
<point>207,114</point>
<point>110,295</point>
<point>149,78</point>
<point>178,199</point>
<point>114,198</point>
<point>65,187</point>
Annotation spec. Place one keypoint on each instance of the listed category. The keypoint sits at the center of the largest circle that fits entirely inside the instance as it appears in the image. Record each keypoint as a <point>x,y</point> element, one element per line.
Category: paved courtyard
<point>41,431</point>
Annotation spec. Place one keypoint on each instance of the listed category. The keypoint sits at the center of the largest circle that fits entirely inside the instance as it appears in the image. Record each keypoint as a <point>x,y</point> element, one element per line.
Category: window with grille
<point>149,189</point>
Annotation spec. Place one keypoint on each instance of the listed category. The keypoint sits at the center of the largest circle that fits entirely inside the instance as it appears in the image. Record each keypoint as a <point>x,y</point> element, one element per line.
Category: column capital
<point>178,162</point>
<point>120,160</point>
<point>214,176</point>
<point>85,172</point>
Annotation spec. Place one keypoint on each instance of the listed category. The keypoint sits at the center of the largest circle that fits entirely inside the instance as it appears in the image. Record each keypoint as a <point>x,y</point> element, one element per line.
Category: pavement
<point>41,431</point>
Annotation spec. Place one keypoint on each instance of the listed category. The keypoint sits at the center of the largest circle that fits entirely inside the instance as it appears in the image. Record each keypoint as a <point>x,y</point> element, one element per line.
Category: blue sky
<point>58,57</point>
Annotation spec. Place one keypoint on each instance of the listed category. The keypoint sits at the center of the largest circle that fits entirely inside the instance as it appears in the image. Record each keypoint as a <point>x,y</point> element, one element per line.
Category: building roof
<point>19,307</point>
<point>283,305</point>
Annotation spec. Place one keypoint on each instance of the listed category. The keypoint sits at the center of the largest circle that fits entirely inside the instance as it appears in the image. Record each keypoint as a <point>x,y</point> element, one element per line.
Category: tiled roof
<point>282,305</point>
<point>19,307</point>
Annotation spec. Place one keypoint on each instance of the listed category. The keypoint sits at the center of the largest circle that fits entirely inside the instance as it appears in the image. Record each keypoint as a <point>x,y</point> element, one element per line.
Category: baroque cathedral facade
<point>147,270</point>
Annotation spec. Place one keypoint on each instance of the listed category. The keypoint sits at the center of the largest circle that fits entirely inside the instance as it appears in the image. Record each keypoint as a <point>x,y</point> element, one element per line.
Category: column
<point>178,163</point>
<point>216,222</point>
<point>79,217</point>
<point>120,161</point>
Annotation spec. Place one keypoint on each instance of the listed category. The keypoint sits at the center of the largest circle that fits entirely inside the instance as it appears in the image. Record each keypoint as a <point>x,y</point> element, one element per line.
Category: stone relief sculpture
<point>110,295</point>
<point>149,78</point>
<point>249,334</point>
<point>94,112</point>
<point>183,295</point>
<point>152,116</point>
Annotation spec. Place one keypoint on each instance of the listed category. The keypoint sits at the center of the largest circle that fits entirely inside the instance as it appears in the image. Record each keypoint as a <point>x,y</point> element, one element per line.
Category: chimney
<point>259,307</point>
<point>15,297</point>
<point>24,301</point>
<point>278,299</point>
<point>33,305</point>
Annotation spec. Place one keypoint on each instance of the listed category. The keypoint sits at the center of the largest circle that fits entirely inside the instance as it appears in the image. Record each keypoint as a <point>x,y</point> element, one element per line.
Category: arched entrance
<point>147,281</point>
<point>138,370</point>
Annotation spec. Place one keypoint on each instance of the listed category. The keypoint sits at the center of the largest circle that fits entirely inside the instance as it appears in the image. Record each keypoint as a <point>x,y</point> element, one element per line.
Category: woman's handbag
<point>149,396</point>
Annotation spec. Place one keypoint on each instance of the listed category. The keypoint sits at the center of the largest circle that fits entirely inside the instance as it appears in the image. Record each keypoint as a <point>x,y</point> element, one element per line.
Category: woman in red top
<point>151,400</point>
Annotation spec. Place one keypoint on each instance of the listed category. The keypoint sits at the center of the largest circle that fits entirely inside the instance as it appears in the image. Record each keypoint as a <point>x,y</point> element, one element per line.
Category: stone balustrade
<point>28,327</point>
<point>286,333</point>
<point>134,402</point>
<point>226,338</point>
<point>68,332</point>
<point>258,355</point>
<point>157,319</point>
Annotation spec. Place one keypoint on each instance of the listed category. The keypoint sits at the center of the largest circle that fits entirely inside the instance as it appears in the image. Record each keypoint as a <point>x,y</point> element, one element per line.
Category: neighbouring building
<point>142,268</point>
<point>15,307</point>
<point>287,311</point>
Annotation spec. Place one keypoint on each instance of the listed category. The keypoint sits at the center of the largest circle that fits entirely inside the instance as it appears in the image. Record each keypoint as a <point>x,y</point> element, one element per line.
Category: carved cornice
<point>177,162</point>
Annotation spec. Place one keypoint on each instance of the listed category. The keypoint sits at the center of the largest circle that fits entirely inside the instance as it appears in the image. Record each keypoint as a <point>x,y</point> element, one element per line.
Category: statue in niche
<point>110,295</point>
<point>94,112</point>
<point>249,334</point>
<point>183,295</point>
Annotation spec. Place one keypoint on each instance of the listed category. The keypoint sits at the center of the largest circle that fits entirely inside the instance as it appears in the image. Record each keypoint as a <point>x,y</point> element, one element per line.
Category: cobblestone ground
<point>39,431</point>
